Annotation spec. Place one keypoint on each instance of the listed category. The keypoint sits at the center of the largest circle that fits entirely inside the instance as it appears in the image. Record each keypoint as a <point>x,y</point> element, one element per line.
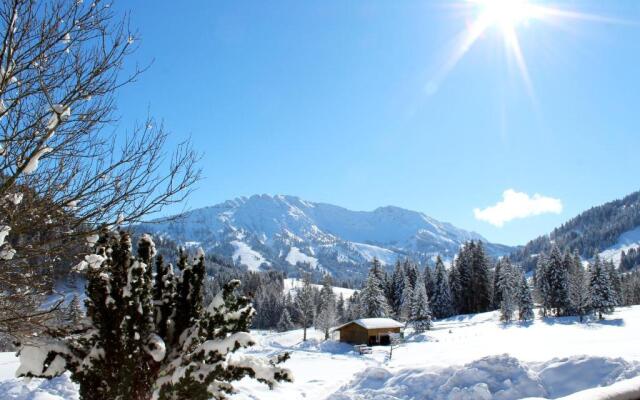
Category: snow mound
<point>500,377</point>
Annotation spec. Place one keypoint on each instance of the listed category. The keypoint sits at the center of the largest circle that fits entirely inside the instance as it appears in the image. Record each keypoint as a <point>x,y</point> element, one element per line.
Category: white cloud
<point>515,205</point>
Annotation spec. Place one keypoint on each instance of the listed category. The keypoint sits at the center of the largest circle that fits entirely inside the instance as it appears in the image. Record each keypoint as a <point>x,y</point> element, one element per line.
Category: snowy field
<point>465,357</point>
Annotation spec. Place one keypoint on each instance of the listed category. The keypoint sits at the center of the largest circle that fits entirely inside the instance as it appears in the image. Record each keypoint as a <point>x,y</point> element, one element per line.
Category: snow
<point>377,323</point>
<point>4,231</point>
<point>291,285</point>
<point>627,241</point>
<point>463,357</point>
<point>386,257</point>
<point>32,165</point>
<point>295,256</point>
<point>247,256</point>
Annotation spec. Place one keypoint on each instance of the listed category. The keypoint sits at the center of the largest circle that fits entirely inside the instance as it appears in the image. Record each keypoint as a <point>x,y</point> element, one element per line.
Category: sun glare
<point>505,13</point>
<point>507,16</point>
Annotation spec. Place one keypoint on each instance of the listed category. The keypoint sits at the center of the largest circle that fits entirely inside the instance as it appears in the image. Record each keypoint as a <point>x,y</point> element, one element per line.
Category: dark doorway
<point>385,340</point>
<point>372,341</point>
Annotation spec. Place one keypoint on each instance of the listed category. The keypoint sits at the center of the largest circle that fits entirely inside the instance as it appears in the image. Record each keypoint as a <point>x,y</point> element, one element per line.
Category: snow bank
<point>490,378</point>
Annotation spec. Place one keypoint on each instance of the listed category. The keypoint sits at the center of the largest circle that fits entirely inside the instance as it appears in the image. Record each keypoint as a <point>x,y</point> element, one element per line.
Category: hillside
<point>291,234</point>
<point>463,357</point>
<point>607,229</point>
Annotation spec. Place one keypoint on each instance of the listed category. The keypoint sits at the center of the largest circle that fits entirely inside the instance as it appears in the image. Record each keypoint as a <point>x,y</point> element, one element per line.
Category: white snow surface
<point>463,357</point>
<point>377,323</point>
<point>627,241</point>
<point>296,256</point>
<point>247,256</point>
<point>292,285</point>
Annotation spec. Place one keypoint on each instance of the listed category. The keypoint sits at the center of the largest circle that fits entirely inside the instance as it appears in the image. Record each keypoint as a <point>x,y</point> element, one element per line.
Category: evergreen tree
<point>602,295</point>
<point>497,293</point>
<point>614,279</point>
<point>525,302</point>
<point>306,306</point>
<point>412,273</point>
<point>441,300</point>
<point>508,286</point>
<point>578,288</point>
<point>373,303</point>
<point>429,282</point>
<point>406,302</point>
<point>74,312</point>
<point>341,311</point>
<point>396,289</point>
<point>455,288</point>
<point>285,324</point>
<point>354,311</point>
<point>120,355</point>
<point>327,316</point>
<point>481,286</point>
<point>558,282</point>
<point>542,285</point>
<point>420,315</point>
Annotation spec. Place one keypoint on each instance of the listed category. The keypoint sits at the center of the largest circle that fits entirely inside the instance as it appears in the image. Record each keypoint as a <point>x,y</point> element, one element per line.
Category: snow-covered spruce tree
<point>354,310</point>
<point>74,312</point>
<point>397,287</point>
<point>429,281</point>
<point>508,286</point>
<point>497,293</point>
<point>420,315</point>
<point>373,302</point>
<point>543,290</point>
<point>285,324</point>
<point>441,301</point>
<point>578,288</point>
<point>602,295</point>
<point>305,305</point>
<point>525,301</point>
<point>614,279</point>
<point>327,316</point>
<point>120,353</point>
<point>558,282</point>
<point>405,300</point>
<point>412,273</point>
<point>341,311</point>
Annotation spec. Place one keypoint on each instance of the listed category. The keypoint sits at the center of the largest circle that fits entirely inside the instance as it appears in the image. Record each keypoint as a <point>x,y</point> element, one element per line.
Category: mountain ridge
<point>292,234</point>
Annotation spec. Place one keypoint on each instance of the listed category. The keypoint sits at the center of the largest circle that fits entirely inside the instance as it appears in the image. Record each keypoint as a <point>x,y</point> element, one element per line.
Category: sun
<point>508,16</point>
<point>505,13</point>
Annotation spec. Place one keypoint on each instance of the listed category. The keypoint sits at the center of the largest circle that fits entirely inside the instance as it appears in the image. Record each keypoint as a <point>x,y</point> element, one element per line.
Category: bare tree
<point>66,173</point>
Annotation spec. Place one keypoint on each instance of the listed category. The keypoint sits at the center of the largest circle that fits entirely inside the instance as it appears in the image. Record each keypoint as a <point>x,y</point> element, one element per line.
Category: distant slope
<point>607,229</point>
<point>294,235</point>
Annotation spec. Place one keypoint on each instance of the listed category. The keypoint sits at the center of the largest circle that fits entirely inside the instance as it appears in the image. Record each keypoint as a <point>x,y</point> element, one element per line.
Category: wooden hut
<point>369,331</point>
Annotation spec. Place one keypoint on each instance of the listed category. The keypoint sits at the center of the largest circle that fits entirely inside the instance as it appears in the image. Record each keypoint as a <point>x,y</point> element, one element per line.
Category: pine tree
<point>120,355</point>
<point>508,286</point>
<point>497,293</point>
<point>341,310</point>
<point>412,273</point>
<point>525,302</point>
<point>373,302</point>
<point>429,281</point>
<point>542,285</point>
<point>327,316</point>
<point>306,306</point>
<point>397,287</point>
<point>578,288</point>
<point>441,300</point>
<point>420,314</point>
<point>74,312</point>
<point>601,293</point>
<point>558,282</point>
<point>406,300</point>
<point>614,278</point>
<point>455,288</point>
<point>285,324</point>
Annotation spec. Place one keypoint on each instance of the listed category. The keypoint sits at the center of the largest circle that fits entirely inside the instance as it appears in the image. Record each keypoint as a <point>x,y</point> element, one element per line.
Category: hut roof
<point>374,323</point>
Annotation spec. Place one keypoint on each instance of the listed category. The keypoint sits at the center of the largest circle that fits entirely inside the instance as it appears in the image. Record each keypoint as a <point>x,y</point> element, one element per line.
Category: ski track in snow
<point>463,357</point>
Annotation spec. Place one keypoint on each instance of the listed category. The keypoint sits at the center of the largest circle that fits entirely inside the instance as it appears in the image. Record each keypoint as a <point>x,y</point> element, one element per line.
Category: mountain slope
<point>288,233</point>
<point>607,229</point>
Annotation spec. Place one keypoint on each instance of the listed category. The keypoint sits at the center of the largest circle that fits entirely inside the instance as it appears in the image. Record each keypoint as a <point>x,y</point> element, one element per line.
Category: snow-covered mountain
<point>286,232</point>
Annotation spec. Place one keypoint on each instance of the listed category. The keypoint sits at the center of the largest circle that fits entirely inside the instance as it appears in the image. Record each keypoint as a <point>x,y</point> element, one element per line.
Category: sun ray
<point>507,15</point>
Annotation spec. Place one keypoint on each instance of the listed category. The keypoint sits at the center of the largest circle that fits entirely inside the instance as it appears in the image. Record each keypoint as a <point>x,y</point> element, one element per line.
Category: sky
<point>371,103</point>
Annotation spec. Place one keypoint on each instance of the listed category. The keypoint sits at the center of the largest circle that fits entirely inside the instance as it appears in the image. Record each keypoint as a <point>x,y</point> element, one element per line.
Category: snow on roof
<point>375,323</point>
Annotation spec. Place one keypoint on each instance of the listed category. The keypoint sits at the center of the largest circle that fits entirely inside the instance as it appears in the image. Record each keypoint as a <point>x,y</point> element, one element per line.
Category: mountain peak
<point>289,233</point>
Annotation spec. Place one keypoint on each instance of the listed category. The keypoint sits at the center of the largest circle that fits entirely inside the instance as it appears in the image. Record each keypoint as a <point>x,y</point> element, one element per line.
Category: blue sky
<point>340,102</point>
